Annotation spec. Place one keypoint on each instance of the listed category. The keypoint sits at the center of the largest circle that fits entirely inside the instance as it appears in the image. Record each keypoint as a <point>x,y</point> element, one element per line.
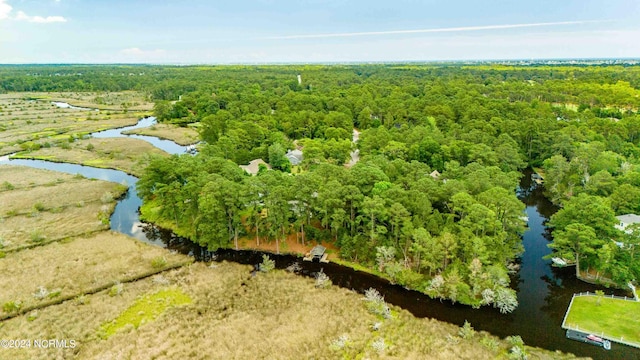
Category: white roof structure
<point>295,156</point>
<point>626,220</point>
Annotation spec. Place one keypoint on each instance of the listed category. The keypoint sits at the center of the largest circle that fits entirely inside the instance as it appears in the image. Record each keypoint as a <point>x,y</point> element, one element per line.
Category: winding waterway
<point>544,292</point>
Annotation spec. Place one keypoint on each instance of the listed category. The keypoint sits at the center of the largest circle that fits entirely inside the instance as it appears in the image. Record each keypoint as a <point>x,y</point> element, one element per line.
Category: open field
<point>29,124</point>
<point>60,195</point>
<point>614,318</point>
<point>73,267</point>
<point>235,316</point>
<point>39,206</point>
<point>17,177</point>
<point>39,228</point>
<point>180,135</point>
<point>126,154</point>
<point>132,100</point>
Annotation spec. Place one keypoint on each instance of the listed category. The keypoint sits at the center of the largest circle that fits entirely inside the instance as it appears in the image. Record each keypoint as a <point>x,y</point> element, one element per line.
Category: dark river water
<point>544,292</point>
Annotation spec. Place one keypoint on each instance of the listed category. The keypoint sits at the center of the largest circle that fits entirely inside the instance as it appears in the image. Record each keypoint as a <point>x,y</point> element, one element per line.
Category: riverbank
<point>124,154</point>
<point>180,135</point>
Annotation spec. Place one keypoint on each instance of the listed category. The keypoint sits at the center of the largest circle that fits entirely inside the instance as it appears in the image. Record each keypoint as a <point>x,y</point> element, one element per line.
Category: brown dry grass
<point>70,320</point>
<point>270,316</point>
<point>26,122</point>
<point>23,176</point>
<point>180,135</point>
<point>236,316</point>
<point>54,197</point>
<point>126,154</point>
<point>43,227</point>
<point>76,266</point>
<point>40,206</point>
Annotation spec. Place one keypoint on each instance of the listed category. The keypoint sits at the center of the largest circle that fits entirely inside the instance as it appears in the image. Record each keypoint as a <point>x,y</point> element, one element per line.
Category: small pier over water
<point>317,253</point>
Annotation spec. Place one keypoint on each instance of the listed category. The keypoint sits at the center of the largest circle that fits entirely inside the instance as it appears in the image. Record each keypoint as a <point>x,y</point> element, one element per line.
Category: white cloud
<point>5,9</point>
<point>39,19</point>
<point>434,30</point>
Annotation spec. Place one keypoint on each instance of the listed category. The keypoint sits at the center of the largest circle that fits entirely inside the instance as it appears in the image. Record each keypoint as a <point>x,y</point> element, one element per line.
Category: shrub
<point>116,289</point>
<point>376,303</point>
<point>38,206</point>
<point>41,293</point>
<point>517,351</point>
<point>490,343</point>
<point>158,262</point>
<point>36,236</point>
<point>340,342</point>
<point>295,267</point>
<point>8,186</point>
<point>11,306</point>
<point>267,264</point>
<point>32,315</point>
<point>107,197</point>
<point>379,345</point>
<point>322,280</point>
<point>55,293</point>
<point>90,147</point>
<point>466,331</point>
<point>506,300</point>
<point>82,300</point>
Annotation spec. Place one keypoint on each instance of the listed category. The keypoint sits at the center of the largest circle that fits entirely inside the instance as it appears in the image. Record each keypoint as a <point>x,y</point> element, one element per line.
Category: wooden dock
<point>591,337</point>
<point>317,253</point>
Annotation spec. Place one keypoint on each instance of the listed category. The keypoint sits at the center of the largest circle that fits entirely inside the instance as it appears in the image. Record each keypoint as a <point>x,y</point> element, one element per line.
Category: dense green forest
<point>453,233</point>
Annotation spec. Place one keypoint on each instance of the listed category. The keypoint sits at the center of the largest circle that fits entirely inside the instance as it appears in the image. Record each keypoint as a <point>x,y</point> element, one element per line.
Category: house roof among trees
<point>295,156</point>
<point>254,166</point>
<point>629,219</point>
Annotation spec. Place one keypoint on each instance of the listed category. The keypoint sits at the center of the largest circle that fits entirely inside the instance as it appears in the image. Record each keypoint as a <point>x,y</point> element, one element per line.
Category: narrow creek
<point>544,292</point>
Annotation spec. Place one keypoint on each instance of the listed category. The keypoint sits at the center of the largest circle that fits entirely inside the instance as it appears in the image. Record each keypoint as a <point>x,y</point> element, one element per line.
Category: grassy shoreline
<point>180,135</point>
<point>123,154</point>
<point>605,316</point>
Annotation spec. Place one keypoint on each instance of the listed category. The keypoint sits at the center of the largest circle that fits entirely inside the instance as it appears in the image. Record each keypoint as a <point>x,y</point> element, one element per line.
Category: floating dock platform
<point>589,339</point>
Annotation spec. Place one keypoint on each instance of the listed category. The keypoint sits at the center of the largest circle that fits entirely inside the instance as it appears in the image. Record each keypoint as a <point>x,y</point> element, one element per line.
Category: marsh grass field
<point>228,314</point>
<point>40,206</point>
<point>30,121</point>
<point>125,154</point>
<point>77,265</point>
<point>132,100</point>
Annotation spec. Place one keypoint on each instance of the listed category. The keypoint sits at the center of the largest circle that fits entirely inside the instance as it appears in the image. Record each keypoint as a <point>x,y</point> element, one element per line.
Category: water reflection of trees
<point>558,298</point>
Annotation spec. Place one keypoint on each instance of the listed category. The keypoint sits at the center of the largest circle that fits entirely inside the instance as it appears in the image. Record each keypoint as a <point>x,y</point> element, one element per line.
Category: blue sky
<point>265,31</point>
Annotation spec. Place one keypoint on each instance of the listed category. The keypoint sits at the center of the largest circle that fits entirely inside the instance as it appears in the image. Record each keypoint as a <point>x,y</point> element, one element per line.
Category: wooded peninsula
<point>409,171</point>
